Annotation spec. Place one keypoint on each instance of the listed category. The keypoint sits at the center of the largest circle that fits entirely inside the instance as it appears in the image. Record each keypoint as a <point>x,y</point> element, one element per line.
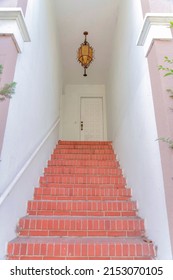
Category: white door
<point>91,125</point>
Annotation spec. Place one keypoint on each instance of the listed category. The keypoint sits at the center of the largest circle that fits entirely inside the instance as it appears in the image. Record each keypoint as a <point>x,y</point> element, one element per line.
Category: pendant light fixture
<point>85,54</point>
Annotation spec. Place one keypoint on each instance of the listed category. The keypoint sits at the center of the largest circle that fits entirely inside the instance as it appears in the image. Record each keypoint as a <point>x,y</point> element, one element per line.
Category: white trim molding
<point>156,26</point>
<point>12,23</point>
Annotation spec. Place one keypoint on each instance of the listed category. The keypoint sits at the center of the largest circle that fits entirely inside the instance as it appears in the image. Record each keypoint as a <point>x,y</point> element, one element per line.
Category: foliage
<point>167,140</point>
<point>170,91</point>
<point>8,90</point>
<point>169,72</point>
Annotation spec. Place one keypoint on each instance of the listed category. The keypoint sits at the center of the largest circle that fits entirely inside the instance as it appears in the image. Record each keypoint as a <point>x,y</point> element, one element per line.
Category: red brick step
<point>82,179</point>
<point>84,151</point>
<point>81,193</point>
<point>80,226</point>
<point>81,210</point>
<point>75,162</point>
<point>82,170</point>
<point>70,248</point>
<point>84,146</point>
<point>64,142</point>
<point>84,156</point>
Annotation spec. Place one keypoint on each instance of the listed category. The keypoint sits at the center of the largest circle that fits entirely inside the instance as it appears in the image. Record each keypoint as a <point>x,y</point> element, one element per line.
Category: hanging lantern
<point>85,54</point>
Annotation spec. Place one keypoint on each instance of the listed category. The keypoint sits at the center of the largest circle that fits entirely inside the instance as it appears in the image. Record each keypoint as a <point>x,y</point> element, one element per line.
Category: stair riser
<point>117,186</point>
<point>82,171</point>
<point>81,233</point>
<point>87,163</point>
<point>90,143</point>
<point>82,179</point>
<point>80,213</point>
<point>84,151</point>
<point>83,156</point>
<point>84,147</point>
<point>83,191</point>
<point>78,251</point>
<point>82,205</point>
<point>103,225</point>
<point>94,198</point>
<point>81,194</point>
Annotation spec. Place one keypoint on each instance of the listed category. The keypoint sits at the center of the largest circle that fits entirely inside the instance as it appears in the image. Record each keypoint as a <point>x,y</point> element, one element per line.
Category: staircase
<point>81,210</point>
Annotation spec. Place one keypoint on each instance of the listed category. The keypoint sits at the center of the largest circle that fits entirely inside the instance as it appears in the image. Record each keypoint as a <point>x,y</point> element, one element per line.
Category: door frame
<point>70,116</point>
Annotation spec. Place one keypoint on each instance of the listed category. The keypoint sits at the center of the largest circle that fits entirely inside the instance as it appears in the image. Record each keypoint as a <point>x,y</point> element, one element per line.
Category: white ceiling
<point>98,17</point>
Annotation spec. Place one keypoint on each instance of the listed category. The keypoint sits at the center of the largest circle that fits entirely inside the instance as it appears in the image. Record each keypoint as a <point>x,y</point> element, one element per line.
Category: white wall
<point>8,3</point>
<point>33,111</point>
<point>71,108</point>
<point>131,125</point>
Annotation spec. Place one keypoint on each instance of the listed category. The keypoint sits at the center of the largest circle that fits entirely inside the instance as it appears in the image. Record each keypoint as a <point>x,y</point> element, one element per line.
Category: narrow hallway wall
<point>33,119</point>
<point>131,124</point>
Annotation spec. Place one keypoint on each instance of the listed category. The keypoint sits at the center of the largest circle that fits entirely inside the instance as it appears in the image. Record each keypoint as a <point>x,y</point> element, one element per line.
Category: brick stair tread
<point>78,248</point>
<point>121,221</point>
<point>84,146</point>
<point>117,186</point>
<point>83,201</point>
<point>84,163</point>
<point>69,193</point>
<point>63,213</point>
<point>110,187</point>
<point>88,171</point>
<point>81,197</point>
<point>64,142</point>
<point>90,197</point>
<point>73,175</point>
<point>82,208</point>
<point>86,168</point>
<point>90,240</point>
<point>87,150</point>
<point>84,151</point>
<point>109,218</point>
<point>82,179</point>
<point>80,226</point>
<point>84,156</point>
<point>97,188</point>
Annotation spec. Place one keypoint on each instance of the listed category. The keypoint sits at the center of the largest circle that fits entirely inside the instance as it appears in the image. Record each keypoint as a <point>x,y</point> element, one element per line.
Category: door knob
<point>81,125</point>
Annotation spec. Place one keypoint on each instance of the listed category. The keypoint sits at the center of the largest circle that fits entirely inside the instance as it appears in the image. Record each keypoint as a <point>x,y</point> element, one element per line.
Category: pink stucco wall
<point>157,6</point>
<point>164,117</point>
<point>8,56</point>
<point>162,102</point>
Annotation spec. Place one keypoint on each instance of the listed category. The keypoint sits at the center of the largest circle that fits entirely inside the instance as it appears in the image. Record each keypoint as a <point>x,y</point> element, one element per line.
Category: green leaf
<point>166,140</point>
<point>170,91</point>
<point>168,74</point>
<point>160,67</point>
<point>167,59</point>
<point>7,91</point>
